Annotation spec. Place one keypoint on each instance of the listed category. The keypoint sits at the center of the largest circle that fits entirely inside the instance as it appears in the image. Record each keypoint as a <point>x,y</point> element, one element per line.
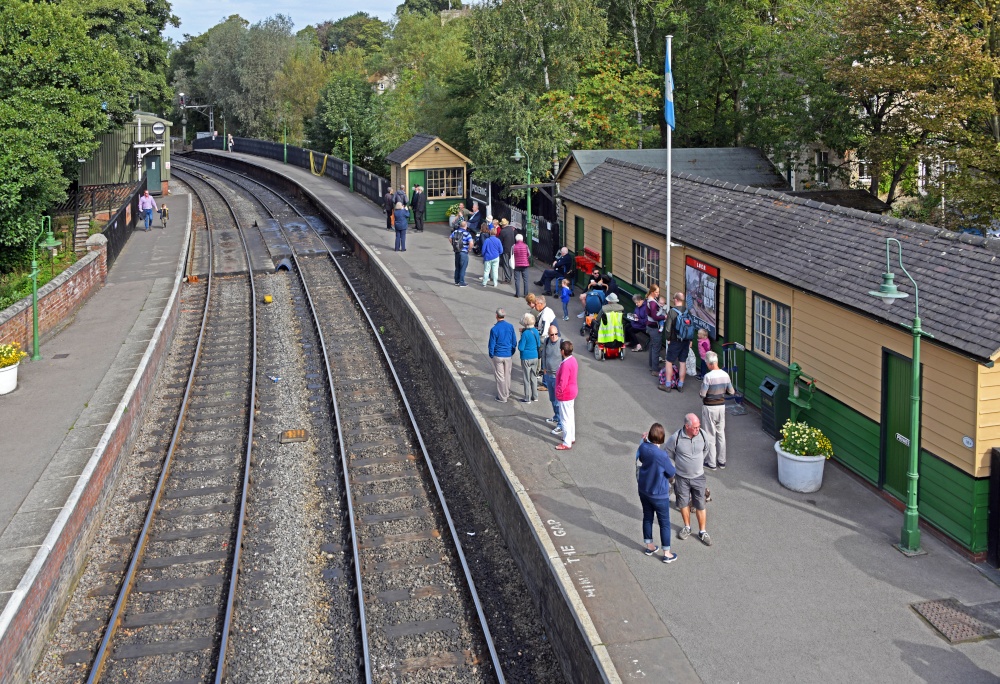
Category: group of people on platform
<point>399,210</point>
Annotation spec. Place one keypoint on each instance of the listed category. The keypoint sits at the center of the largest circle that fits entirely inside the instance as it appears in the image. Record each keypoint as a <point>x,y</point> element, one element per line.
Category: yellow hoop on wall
<point>312,165</point>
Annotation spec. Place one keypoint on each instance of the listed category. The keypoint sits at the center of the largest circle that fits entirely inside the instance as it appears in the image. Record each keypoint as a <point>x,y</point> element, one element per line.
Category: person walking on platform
<point>566,391</point>
<point>399,219</point>
<point>529,347</point>
<point>689,448</point>
<point>715,386</point>
<point>654,471</point>
<point>503,342</point>
<point>492,251</point>
<point>551,358</point>
<point>147,205</point>
<point>461,241</point>
<point>522,259</point>
<point>506,236</point>
<point>418,205</point>
<point>229,142</point>
<point>389,206</point>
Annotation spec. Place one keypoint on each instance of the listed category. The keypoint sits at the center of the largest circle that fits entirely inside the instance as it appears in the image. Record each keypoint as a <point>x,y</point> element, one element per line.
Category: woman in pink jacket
<point>566,394</point>
<point>522,259</point>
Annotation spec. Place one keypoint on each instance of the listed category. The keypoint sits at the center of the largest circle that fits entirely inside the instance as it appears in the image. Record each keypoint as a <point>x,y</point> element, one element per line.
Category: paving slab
<point>796,588</point>
<point>61,407</point>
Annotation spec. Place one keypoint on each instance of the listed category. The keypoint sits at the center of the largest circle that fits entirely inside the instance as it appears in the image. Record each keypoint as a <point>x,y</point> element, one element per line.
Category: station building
<point>431,162</point>
<point>126,153</point>
<point>788,278</point>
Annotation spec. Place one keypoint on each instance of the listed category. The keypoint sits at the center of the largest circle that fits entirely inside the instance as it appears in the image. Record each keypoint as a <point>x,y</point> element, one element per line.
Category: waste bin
<point>775,408</point>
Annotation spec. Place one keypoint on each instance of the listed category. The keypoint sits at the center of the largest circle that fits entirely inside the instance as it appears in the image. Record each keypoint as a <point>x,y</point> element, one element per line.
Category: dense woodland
<point>891,80</point>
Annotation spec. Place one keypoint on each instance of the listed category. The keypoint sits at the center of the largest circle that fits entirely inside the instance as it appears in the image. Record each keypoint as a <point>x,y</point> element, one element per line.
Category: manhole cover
<point>953,620</point>
<point>61,356</point>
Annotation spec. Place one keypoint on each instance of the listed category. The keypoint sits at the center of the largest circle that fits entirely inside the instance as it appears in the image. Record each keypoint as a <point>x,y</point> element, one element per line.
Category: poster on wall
<point>702,285</point>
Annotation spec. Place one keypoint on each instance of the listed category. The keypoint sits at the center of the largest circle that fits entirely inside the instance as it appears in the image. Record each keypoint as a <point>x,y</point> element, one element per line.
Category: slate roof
<point>746,165</point>
<point>409,148</point>
<point>853,198</point>
<point>833,252</point>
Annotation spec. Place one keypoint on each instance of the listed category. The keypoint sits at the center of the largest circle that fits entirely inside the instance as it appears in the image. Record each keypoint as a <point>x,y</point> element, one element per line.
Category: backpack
<point>684,326</point>
<point>457,240</point>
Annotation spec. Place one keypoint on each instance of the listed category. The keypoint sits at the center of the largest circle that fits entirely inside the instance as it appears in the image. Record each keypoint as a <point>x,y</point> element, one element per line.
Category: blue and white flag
<point>668,107</point>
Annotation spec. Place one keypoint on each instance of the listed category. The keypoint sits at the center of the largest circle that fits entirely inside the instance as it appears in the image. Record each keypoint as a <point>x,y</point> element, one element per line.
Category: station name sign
<point>479,190</point>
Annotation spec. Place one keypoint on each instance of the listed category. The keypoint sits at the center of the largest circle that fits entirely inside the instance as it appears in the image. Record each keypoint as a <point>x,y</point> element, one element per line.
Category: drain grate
<point>953,620</point>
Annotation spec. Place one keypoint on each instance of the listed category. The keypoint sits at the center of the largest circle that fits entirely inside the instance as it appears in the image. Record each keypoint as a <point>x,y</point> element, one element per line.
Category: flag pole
<point>669,116</point>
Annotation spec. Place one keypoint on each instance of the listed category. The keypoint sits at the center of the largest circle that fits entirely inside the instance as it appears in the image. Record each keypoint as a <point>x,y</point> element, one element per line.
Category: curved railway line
<point>419,615</point>
<point>182,575</point>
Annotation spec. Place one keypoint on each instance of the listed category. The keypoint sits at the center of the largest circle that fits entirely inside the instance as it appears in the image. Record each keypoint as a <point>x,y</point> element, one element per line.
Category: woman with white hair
<point>529,347</point>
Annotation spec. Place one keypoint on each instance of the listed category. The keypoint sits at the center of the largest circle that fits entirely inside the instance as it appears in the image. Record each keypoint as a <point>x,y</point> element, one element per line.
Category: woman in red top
<point>522,259</point>
<point>566,391</point>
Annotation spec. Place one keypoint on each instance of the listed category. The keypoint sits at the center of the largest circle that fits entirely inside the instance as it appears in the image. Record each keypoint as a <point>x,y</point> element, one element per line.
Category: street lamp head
<point>888,290</point>
<point>517,154</point>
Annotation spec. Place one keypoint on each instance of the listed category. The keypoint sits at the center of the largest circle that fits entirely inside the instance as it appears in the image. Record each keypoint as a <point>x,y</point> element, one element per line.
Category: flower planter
<point>8,378</point>
<point>799,473</point>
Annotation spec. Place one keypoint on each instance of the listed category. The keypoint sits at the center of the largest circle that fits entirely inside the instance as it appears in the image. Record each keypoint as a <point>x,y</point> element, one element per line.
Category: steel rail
<point>423,447</point>
<point>138,553</point>
<point>363,626</point>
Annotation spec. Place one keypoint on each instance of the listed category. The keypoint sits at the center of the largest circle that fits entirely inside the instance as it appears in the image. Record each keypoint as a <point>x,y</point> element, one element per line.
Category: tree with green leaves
<point>427,6</point>
<point>60,88</point>
<point>359,30</point>
<point>914,74</point>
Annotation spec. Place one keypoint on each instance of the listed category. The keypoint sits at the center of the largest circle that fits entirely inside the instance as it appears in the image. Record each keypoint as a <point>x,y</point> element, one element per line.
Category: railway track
<point>419,614</point>
<point>173,610</point>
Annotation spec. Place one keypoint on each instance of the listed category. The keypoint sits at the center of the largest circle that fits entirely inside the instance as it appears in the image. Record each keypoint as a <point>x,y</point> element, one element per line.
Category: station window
<point>772,329</point>
<point>445,182</point>
<point>645,265</point>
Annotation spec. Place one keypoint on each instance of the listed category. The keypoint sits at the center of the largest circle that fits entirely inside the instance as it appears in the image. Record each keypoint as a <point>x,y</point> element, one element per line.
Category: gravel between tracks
<point>525,652</point>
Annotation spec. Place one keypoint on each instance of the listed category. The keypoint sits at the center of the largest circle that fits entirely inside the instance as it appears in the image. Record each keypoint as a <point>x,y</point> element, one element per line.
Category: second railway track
<point>420,618</point>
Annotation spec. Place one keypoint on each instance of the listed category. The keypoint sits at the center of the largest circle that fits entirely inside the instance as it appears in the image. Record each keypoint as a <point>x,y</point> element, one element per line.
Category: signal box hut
<point>116,161</point>
<point>431,162</point>
<point>789,279</point>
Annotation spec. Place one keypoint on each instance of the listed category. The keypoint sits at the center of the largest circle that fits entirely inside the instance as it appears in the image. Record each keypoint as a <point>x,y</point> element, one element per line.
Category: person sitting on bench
<point>560,268</point>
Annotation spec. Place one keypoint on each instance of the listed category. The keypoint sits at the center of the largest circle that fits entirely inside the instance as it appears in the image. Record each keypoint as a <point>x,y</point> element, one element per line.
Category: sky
<point>197,16</point>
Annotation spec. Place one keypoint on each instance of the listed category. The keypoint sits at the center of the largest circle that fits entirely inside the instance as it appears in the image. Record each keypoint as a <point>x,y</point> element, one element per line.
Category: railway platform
<point>795,587</point>
<point>56,417</point>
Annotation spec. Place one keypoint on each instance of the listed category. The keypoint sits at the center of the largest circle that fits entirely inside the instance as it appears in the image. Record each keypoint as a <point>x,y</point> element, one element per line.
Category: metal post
<point>50,242</point>
<point>910,537</point>
<point>285,138</point>
<point>350,145</point>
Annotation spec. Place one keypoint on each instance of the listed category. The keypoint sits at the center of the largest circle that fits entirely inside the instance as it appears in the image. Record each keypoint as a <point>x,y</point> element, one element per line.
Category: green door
<point>896,384</point>
<point>606,250</point>
<point>736,327</point>
<point>151,162</point>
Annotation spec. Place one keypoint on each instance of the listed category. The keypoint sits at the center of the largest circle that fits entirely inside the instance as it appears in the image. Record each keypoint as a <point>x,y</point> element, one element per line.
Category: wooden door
<point>736,330</point>
<point>896,384</point>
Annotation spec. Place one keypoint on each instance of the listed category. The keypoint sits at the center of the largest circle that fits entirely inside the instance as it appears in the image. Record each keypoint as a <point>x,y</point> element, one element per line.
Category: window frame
<point>772,332</point>
<point>459,182</point>
<point>822,166</point>
<point>647,279</point>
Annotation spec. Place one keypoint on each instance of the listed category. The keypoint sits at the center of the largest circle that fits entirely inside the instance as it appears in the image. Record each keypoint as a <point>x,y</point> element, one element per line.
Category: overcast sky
<point>197,16</point>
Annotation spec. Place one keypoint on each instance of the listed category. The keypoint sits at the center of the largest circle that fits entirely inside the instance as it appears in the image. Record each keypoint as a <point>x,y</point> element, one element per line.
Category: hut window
<point>645,265</point>
<point>445,182</point>
<point>772,329</point>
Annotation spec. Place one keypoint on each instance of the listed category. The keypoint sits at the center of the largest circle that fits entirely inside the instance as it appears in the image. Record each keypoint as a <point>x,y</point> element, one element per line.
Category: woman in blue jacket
<point>399,217</point>
<point>529,347</point>
<point>653,472</point>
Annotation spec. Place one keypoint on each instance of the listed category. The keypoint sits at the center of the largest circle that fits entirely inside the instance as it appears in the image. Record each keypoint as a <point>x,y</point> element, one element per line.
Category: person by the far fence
<point>229,142</point>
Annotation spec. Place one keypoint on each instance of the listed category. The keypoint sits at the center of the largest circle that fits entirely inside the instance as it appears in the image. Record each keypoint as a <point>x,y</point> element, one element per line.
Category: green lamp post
<point>521,153</point>
<point>350,147</point>
<point>50,242</point>
<point>284,137</point>
<point>909,542</point>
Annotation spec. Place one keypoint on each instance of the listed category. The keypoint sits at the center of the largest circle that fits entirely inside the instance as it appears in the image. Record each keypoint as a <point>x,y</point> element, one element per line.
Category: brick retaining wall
<point>58,300</point>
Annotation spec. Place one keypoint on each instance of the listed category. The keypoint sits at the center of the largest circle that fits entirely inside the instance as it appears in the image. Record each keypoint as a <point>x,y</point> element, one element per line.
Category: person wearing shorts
<point>677,349</point>
<point>689,447</point>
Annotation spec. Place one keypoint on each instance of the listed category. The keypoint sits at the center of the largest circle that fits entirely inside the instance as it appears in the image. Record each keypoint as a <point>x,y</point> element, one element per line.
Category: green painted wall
<point>951,500</point>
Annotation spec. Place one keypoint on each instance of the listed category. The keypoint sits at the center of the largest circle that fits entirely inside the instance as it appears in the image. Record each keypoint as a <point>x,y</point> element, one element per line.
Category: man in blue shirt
<point>492,249</point>
<point>503,342</point>
<point>560,268</point>
<point>475,218</point>
<point>461,242</point>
